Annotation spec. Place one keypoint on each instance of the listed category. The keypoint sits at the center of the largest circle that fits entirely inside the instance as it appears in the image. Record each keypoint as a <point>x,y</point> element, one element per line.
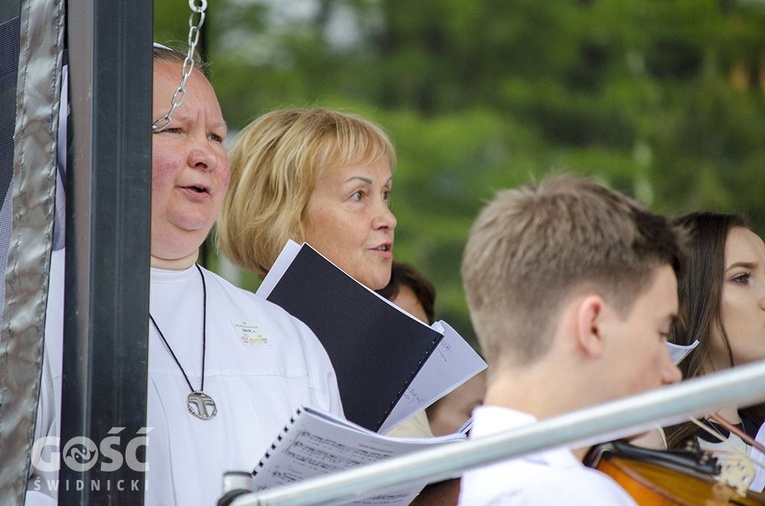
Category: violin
<point>668,477</point>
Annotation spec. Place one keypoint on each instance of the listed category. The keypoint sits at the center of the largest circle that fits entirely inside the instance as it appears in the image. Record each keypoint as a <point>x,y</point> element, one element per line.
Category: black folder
<point>375,349</point>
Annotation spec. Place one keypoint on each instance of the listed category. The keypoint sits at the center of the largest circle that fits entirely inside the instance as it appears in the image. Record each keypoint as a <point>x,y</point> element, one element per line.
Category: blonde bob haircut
<point>276,162</point>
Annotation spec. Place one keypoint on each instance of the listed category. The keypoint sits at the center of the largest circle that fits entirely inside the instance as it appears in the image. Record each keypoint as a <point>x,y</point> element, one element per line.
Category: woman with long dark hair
<point>722,305</point>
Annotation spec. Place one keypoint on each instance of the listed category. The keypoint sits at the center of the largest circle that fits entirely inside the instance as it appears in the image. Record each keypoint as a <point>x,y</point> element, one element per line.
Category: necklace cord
<point>204,325</point>
<point>204,335</point>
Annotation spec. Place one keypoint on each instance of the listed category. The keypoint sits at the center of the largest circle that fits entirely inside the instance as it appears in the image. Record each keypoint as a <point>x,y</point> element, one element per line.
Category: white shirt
<point>552,477</point>
<point>758,458</point>
<point>261,364</point>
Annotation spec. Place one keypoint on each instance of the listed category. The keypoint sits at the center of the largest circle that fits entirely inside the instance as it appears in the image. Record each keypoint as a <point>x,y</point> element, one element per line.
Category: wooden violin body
<point>661,478</point>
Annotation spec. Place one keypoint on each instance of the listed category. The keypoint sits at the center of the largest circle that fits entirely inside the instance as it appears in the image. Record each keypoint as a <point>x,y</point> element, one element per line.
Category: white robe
<point>261,364</point>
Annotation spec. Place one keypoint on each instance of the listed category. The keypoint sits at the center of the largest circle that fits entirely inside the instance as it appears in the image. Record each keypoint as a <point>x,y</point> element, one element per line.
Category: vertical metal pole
<point>108,241</point>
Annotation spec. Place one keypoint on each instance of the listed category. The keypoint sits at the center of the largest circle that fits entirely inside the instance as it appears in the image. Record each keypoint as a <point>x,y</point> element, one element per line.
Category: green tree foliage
<point>660,99</point>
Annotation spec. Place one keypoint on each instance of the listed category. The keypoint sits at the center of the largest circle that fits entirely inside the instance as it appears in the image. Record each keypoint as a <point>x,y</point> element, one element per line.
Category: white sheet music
<point>452,363</point>
<point>678,352</point>
<point>317,444</point>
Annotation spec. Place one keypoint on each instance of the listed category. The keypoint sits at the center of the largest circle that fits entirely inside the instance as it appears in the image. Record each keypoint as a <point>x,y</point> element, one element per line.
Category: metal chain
<point>188,64</point>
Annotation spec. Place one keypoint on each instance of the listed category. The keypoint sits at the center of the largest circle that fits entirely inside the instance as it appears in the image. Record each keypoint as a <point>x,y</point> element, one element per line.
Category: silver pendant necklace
<point>198,403</point>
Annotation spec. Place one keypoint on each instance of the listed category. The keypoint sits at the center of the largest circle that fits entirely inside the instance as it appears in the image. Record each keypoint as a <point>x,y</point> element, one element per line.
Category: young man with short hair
<point>572,290</point>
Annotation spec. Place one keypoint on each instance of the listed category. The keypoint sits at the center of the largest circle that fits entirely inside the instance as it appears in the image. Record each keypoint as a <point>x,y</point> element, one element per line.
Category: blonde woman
<point>323,177</point>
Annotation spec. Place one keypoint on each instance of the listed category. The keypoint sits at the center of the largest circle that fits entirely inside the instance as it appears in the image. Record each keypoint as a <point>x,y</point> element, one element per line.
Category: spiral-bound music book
<point>383,357</point>
<point>315,443</point>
